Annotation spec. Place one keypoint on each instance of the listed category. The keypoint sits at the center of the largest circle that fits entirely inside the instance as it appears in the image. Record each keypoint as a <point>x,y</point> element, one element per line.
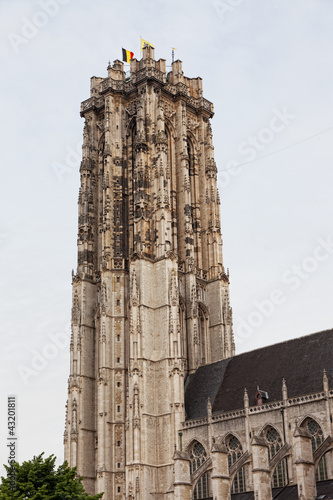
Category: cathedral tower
<point>151,295</point>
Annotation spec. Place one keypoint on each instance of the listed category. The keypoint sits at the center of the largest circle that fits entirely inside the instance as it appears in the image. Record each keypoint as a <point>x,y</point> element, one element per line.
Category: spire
<point>209,408</point>
<point>246,399</point>
<point>284,390</point>
<point>325,382</point>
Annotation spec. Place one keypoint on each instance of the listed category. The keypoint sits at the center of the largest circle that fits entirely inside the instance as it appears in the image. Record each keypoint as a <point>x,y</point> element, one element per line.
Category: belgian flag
<point>127,55</point>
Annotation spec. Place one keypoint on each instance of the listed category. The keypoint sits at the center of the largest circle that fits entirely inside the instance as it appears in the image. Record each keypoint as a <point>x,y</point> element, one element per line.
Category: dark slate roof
<point>249,495</point>
<point>200,386</point>
<point>325,488</point>
<point>299,361</point>
<point>286,493</point>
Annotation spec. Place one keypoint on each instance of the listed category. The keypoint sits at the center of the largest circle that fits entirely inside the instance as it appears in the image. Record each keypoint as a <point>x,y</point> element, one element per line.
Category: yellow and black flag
<point>144,43</point>
<point>127,55</point>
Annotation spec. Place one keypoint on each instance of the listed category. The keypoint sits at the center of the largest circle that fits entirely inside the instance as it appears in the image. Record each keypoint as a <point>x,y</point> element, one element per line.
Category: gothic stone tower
<point>151,295</point>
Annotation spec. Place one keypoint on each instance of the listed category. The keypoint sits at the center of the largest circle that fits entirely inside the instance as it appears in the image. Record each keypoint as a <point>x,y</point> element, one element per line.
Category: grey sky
<point>267,68</point>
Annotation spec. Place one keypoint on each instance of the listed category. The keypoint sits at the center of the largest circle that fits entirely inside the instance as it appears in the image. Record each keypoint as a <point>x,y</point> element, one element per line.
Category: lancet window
<point>202,489</point>
<point>202,336</point>
<point>198,456</point>
<point>234,453</point>
<point>317,437</point>
<point>274,441</point>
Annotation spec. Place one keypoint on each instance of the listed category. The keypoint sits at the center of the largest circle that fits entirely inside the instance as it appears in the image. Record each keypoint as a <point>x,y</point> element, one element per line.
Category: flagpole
<point>173,54</point>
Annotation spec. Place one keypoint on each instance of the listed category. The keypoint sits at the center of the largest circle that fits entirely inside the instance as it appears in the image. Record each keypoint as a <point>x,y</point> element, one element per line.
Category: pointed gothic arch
<point>200,470</point>
<point>198,455</point>
<point>235,452</point>
<point>190,154</point>
<point>274,441</point>
<point>264,428</point>
<point>202,489</point>
<point>317,439</point>
<point>301,421</point>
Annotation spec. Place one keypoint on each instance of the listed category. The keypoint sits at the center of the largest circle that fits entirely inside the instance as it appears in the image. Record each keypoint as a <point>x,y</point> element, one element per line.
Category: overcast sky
<point>267,67</point>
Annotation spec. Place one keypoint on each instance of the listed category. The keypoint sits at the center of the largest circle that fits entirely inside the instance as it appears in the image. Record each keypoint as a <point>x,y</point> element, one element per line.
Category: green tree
<point>38,479</point>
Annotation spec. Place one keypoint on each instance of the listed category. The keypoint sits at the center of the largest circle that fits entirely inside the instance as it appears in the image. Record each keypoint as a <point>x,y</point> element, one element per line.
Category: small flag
<point>144,43</point>
<point>127,55</point>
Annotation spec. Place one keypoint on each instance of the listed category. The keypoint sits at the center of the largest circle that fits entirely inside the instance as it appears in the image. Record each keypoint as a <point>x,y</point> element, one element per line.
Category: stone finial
<point>325,381</point>
<point>209,408</point>
<point>284,390</point>
<point>246,399</point>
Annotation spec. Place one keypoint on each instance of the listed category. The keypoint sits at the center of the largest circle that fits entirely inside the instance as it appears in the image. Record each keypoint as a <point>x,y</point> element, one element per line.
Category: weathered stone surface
<point>151,296</point>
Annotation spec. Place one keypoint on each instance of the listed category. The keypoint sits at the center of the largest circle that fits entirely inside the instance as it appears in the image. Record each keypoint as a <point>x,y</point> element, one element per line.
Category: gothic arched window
<point>274,441</point>
<point>234,453</point>
<point>202,489</point>
<point>317,437</point>
<point>190,157</point>
<point>279,478</point>
<point>191,178</point>
<point>198,456</point>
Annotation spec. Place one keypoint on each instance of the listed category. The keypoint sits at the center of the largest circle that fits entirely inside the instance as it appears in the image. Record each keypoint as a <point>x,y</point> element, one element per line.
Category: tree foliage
<point>38,479</point>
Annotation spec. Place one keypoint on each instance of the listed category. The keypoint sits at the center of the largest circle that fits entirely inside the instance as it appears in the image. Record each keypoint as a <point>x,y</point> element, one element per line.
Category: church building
<point>159,407</point>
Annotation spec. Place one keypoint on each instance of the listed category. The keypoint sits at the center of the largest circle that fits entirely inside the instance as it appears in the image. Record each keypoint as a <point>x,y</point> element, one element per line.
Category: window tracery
<point>198,456</point>
<point>235,451</point>
<point>274,441</point>
<point>202,489</point>
<point>317,437</point>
